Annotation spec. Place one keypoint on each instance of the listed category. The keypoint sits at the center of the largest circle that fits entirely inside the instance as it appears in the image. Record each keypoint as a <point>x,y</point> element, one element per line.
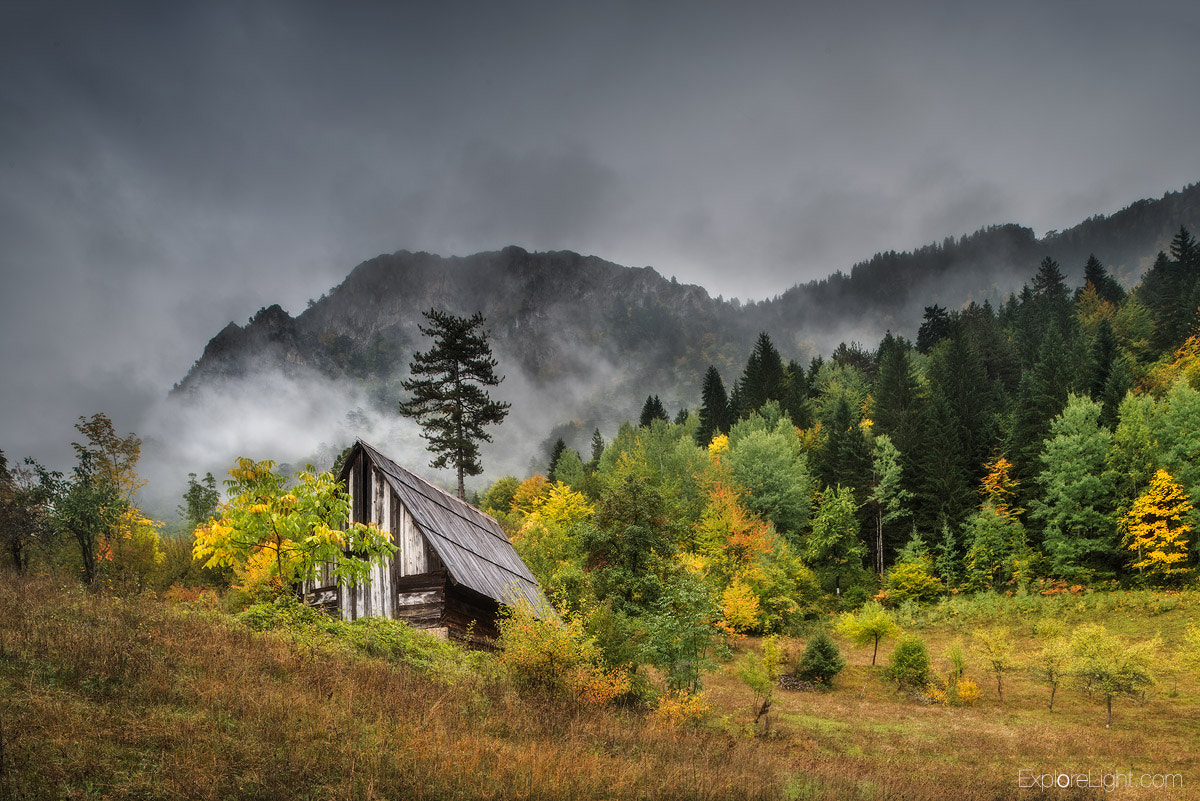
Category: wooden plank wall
<point>412,585</point>
<point>378,504</point>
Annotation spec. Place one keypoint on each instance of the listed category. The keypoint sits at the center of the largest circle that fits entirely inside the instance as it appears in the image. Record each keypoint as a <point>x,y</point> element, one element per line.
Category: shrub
<point>958,663</point>
<point>913,581</point>
<point>952,692</point>
<point>761,673</point>
<point>909,664</point>
<point>543,654</point>
<point>681,709</point>
<point>821,660</point>
<point>967,692</point>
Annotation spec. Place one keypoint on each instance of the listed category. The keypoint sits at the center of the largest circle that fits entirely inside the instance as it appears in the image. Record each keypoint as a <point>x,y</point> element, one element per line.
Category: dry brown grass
<point>109,698</point>
<point>105,698</point>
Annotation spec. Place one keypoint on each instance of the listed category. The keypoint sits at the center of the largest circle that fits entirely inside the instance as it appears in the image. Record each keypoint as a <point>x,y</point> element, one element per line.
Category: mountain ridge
<point>566,320</point>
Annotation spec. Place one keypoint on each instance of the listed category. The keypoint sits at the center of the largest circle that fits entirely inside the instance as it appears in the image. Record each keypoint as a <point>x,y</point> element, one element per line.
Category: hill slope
<point>584,339</point>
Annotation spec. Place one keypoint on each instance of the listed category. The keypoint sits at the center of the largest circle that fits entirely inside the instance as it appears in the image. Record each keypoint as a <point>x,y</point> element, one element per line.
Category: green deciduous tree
<point>1051,664</point>
<point>449,398</point>
<point>95,505</point>
<point>629,545</point>
<point>996,646</point>
<point>998,552</point>
<point>568,468</point>
<point>868,626</point>
<point>833,544</point>
<point>26,498</point>
<point>274,536</point>
<point>767,461</point>
<point>888,500</point>
<point>1134,455</point>
<point>1109,667</point>
<point>200,500</point>
<point>682,630</point>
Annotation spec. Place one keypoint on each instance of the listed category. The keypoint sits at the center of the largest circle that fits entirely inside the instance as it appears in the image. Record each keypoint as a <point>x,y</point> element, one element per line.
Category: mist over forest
<point>581,341</point>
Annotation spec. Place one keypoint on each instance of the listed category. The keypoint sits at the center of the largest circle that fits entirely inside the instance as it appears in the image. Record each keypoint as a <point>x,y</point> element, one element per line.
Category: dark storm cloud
<point>168,167</point>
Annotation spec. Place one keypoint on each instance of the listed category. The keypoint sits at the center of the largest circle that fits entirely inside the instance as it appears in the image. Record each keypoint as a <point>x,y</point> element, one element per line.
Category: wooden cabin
<point>454,568</point>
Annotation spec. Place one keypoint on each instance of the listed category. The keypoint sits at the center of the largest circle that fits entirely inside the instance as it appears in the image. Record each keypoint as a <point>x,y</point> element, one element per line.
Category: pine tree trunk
<point>1108,720</point>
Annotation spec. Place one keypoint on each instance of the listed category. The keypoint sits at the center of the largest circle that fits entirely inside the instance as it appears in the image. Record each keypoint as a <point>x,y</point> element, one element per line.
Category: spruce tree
<point>449,398</point>
<point>1169,289</point>
<point>1078,497</point>
<point>1101,357</point>
<point>763,379</point>
<point>714,408</point>
<point>1107,288</point>
<point>597,451</point>
<point>556,453</point>
<point>938,471</point>
<point>956,376</point>
<point>795,396</point>
<point>896,393</point>
<point>845,460</point>
<point>935,327</point>
<point>1052,297</point>
<point>652,410</point>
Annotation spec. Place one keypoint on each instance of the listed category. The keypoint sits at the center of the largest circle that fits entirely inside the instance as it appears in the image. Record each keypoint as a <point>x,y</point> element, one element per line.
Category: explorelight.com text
<point>1107,780</point>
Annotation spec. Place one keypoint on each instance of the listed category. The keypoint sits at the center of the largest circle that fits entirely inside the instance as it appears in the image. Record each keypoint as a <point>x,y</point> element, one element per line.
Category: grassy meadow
<point>107,698</point>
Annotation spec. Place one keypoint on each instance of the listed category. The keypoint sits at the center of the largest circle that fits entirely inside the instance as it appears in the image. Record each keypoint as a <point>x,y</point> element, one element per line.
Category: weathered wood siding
<point>373,501</point>
<point>413,584</point>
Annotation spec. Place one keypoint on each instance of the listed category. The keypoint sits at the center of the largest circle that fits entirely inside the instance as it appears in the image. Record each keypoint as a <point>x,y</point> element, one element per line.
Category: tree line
<point>1052,441</point>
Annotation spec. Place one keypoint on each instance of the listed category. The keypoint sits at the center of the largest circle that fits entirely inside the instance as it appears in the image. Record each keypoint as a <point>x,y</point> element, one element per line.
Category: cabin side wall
<point>412,584</point>
<point>374,501</point>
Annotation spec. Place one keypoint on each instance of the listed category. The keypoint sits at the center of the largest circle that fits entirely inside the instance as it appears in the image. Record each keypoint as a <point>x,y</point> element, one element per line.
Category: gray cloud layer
<point>165,168</point>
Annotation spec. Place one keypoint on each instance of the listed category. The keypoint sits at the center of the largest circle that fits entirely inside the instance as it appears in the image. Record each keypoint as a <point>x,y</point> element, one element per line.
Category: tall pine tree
<point>763,379</point>
<point>449,398</point>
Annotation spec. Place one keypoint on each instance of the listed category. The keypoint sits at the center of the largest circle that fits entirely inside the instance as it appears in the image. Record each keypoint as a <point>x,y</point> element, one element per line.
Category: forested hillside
<point>1050,442</point>
<point>587,334</point>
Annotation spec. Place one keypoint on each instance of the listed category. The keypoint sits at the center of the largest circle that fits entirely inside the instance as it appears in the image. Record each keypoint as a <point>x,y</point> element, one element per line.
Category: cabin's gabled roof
<point>473,547</point>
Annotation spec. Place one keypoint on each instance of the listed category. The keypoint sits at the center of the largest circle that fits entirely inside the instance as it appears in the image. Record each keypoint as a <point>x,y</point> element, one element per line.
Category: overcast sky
<point>168,167</point>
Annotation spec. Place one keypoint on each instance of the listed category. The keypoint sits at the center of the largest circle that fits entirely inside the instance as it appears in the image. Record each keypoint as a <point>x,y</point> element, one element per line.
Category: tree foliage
<point>274,536</point>
<point>868,626</point>
<point>1158,531</point>
<point>449,398</point>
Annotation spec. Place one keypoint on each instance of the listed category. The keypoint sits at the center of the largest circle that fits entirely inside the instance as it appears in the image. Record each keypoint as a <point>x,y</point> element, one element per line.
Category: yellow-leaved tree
<point>1158,532</point>
<point>732,542</point>
<point>274,535</point>
<point>547,541</point>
